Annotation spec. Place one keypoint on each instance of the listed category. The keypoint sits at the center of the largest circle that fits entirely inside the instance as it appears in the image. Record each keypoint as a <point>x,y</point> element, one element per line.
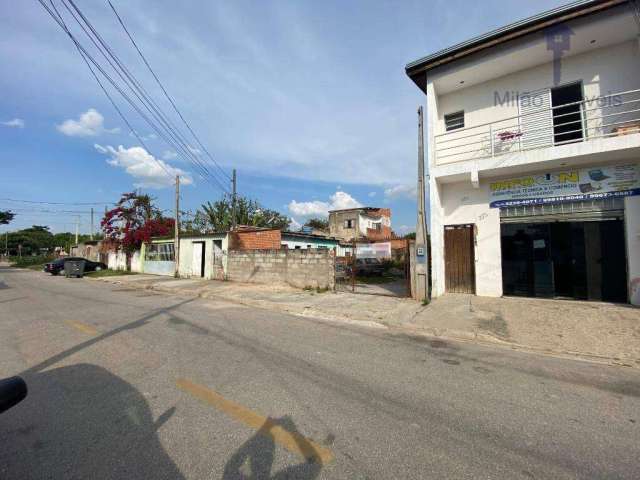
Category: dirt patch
<point>495,325</point>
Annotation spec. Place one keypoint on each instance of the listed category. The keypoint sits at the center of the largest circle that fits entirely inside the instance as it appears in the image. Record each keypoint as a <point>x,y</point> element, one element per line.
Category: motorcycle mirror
<point>12,391</point>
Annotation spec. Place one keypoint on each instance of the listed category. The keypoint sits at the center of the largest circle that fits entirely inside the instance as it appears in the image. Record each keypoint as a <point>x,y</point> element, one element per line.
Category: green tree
<point>30,240</point>
<point>217,216</point>
<point>6,216</point>
<point>318,224</point>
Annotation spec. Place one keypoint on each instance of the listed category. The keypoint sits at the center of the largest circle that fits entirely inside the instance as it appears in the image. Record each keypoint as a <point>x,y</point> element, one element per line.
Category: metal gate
<point>374,268</point>
<point>459,259</point>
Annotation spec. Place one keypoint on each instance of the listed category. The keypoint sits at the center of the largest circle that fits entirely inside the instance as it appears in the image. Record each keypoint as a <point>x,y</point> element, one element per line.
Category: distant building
<point>364,223</point>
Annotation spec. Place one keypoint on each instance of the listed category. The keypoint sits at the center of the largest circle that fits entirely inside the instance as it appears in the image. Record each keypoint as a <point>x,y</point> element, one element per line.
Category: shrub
<point>28,261</point>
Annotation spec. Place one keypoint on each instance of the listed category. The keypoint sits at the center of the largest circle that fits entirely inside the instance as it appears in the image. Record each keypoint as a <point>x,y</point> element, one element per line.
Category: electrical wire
<point>175,140</point>
<point>144,59</point>
<point>89,59</point>
<point>56,203</point>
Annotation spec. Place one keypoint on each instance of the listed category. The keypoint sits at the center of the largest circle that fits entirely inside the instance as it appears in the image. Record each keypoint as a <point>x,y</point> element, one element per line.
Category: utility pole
<point>77,227</point>
<point>233,200</point>
<point>91,235</point>
<point>422,253</point>
<point>176,238</point>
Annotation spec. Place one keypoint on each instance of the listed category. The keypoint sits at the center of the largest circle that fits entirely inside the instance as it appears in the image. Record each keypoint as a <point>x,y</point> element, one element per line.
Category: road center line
<point>292,441</point>
<point>83,327</point>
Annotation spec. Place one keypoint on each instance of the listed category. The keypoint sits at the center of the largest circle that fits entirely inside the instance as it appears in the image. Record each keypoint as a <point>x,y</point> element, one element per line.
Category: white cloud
<point>141,165</point>
<point>401,191</point>
<point>372,194</point>
<point>338,201</point>
<point>90,124</point>
<point>404,229</point>
<point>14,123</point>
<point>169,155</point>
<point>194,150</point>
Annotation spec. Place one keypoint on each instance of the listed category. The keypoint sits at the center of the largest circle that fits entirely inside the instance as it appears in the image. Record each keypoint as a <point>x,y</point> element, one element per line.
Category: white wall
<point>632,228</point>
<point>186,256</point>
<point>118,261</point>
<point>602,71</point>
<point>463,204</point>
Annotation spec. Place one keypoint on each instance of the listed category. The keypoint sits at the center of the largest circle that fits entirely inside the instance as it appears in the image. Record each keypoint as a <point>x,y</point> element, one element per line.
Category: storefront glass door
<point>565,260</point>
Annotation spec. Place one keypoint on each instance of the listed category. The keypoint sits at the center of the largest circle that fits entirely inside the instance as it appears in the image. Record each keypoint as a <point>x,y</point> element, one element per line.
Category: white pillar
<point>632,232</point>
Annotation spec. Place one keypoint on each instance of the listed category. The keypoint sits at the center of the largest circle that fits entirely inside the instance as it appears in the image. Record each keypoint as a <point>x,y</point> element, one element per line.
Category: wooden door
<point>459,259</point>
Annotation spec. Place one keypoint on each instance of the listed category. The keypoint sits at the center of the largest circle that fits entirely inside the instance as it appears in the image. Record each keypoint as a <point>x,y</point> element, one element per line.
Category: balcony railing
<point>610,115</point>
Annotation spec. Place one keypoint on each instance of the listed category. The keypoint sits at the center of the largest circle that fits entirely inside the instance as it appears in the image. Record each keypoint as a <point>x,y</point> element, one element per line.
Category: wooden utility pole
<point>233,200</point>
<point>91,235</point>
<point>77,227</point>
<point>176,238</point>
<point>422,266</point>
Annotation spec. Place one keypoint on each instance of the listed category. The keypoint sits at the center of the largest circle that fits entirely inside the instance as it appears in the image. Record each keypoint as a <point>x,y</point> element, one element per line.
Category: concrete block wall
<point>297,268</point>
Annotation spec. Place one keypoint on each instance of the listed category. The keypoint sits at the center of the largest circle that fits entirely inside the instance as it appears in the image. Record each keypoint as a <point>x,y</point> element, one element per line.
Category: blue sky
<point>308,100</point>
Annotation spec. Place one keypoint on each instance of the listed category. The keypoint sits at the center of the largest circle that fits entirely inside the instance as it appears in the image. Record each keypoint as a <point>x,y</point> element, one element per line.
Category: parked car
<point>57,266</point>
<point>369,266</point>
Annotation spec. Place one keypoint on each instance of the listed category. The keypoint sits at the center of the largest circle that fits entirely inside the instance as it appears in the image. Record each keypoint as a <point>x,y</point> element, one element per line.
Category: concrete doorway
<point>197,262</point>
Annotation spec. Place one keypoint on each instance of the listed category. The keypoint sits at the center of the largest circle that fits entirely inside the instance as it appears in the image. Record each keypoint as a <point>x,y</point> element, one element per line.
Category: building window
<point>454,121</point>
<point>348,223</point>
<point>159,252</point>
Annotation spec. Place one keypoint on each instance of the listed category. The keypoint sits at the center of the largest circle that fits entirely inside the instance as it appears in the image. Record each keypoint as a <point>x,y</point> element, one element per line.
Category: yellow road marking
<point>292,441</point>
<point>83,327</point>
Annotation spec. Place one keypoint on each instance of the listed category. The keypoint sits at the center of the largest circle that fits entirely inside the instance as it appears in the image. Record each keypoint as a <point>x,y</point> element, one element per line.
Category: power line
<point>89,59</point>
<point>133,85</point>
<point>176,139</point>
<point>60,21</point>
<point>165,91</point>
<point>56,203</point>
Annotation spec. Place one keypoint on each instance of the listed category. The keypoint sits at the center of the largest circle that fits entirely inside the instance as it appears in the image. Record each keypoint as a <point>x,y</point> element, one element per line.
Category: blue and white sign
<point>566,186</point>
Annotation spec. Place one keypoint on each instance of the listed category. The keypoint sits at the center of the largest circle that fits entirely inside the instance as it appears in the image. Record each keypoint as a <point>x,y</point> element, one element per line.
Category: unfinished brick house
<point>364,223</point>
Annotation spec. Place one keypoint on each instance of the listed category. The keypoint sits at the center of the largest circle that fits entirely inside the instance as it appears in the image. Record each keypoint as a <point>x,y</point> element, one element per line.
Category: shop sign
<point>566,186</point>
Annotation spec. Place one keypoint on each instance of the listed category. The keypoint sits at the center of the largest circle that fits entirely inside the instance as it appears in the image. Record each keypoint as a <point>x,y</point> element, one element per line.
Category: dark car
<point>57,266</point>
<point>369,266</point>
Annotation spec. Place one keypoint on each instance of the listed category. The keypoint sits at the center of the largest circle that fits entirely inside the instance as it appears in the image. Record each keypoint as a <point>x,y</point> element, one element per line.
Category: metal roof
<point>416,69</point>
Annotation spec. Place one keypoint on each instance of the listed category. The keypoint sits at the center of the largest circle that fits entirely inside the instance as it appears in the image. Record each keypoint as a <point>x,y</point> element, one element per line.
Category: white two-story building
<point>534,156</point>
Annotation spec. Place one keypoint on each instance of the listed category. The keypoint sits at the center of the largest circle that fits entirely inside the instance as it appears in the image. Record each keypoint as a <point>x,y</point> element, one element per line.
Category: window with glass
<point>159,252</point>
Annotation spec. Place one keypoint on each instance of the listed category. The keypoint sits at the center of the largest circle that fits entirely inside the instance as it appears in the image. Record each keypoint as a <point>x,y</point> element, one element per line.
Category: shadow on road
<point>254,459</point>
<point>81,421</point>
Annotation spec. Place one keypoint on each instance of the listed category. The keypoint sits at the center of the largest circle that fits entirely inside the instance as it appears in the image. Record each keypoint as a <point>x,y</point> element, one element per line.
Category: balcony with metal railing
<point>608,116</point>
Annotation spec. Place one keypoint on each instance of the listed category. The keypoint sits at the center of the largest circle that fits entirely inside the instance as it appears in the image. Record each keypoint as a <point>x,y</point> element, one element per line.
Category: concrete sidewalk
<point>597,331</point>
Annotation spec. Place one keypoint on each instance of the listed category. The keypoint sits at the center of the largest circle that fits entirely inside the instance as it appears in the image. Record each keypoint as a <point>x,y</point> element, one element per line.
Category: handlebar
<point>12,391</point>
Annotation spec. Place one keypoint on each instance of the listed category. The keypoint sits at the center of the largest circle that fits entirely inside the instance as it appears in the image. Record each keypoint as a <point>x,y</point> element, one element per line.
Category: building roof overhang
<point>417,69</point>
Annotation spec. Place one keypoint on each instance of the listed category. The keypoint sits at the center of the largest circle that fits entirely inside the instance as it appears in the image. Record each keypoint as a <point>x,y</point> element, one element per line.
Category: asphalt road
<point>132,384</point>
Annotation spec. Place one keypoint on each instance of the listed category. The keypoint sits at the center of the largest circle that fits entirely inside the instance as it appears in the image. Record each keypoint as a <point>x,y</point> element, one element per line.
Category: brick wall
<point>298,268</point>
<point>255,240</point>
<point>382,234</point>
<point>383,212</point>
